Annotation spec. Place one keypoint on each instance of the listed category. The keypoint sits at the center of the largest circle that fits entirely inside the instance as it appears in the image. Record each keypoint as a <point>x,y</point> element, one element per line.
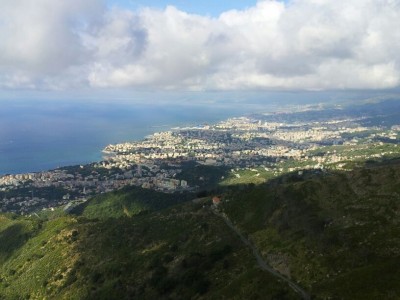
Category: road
<point>260,261</point>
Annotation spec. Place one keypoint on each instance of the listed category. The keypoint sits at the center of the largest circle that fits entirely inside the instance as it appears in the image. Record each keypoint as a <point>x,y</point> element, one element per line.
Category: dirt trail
<point>260,261</point>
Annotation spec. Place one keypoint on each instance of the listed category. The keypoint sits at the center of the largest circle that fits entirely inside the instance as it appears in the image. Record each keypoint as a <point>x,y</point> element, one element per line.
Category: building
<point>216,200</point>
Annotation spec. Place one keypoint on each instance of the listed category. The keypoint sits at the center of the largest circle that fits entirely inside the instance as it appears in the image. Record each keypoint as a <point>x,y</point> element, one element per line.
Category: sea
<point>38,135</point>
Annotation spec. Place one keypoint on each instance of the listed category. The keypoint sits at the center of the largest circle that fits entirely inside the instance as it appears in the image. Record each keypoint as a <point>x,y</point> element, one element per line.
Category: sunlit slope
<point>180,253</point>
<point>37,256</point>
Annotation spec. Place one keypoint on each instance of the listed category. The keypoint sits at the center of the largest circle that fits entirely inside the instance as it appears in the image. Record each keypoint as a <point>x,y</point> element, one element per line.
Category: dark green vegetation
<point>128,201</point>
<point>335,233</point>
<point>182,252</point>
<point>205,177</point>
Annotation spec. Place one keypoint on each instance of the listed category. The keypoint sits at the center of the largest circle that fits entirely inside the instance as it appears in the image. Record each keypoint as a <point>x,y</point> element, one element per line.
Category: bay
<point>43,134</point>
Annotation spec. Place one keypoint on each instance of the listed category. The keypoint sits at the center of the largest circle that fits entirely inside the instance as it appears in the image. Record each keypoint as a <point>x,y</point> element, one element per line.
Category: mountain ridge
<point>333,233</point>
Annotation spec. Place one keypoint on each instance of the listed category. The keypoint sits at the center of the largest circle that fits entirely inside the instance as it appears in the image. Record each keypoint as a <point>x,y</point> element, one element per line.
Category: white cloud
<point>302,44</point>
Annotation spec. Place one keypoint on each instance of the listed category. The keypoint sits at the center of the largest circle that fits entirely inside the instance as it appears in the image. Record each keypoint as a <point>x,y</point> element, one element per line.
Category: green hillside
<point>128,201</point>
<point>336,234</point>
<point>180,253</point>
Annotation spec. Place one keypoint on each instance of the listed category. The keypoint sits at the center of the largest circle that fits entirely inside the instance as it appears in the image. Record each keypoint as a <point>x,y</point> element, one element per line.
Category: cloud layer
<point>302,44</point>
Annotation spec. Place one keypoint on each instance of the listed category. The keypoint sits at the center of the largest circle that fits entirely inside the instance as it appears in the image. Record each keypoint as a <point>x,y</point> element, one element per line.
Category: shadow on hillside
<point>11,239</point>
<point>347,221</point>
<point>306,204</point>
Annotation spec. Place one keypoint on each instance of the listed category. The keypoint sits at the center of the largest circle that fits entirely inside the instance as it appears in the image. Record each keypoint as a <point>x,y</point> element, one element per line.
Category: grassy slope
<point>336,234</point>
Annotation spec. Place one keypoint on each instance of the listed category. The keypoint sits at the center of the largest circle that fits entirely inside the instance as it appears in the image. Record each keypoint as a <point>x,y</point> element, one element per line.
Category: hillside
<point>128,201</point>
<point>336,234</point>
<point>182,252</point>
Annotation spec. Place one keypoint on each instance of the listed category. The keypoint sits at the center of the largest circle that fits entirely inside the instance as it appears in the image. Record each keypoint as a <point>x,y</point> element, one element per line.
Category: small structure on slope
<point>216,200</point>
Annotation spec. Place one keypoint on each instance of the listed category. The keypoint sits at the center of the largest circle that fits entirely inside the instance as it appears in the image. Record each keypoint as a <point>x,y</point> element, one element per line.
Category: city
<point>254,148</point>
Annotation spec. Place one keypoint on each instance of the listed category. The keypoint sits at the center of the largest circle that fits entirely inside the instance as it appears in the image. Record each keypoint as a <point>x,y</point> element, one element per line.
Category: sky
<point>99,47</point>
<point>210,8</point>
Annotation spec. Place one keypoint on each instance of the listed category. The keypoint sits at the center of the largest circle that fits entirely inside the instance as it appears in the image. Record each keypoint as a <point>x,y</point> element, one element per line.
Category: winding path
<point>263,265</point>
